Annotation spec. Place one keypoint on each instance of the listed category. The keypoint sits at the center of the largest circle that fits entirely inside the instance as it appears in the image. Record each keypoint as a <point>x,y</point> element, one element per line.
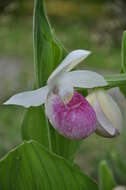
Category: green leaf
<point>123,66</point>
<point>106,180</point>
<point>48,53</point>
<point>31,167</point>
<point>33,126</point>
<point>119,166</point>
<point>63,146</point>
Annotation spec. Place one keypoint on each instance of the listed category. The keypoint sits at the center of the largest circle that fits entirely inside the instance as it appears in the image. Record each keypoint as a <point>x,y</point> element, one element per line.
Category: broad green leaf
<point>106,180</point>
<point>48,53</point>
<point>31,167</point>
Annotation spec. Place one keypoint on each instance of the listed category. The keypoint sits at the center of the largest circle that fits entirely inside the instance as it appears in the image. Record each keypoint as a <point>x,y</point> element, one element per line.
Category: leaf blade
<point>106,180</point>
<point>31,167</point>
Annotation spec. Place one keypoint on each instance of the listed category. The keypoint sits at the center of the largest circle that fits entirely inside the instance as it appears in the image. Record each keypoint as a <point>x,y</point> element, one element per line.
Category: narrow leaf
<point>123,66</point>
<point>119,166</point>
<point>106,180</point>
<point>31,167</point>
<point>48,52</point>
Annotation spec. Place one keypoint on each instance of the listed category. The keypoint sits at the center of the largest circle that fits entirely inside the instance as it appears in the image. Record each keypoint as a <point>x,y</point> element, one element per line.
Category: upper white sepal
<point>70,61</point>
<point>30,98</point>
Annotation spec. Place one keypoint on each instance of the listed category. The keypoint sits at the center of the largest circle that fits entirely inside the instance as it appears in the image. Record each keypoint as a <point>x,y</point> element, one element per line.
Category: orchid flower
<point>67,110</point>
<point>109,116</point>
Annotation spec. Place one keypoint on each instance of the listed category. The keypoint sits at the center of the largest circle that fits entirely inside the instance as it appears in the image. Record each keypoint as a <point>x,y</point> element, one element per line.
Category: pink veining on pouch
<point>75,120</point>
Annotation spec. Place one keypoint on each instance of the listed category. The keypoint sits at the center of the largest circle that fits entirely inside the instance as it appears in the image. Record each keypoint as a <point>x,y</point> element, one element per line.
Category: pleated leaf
<point>31,167</point>
<point>106,179</point>
<point>48,53</point>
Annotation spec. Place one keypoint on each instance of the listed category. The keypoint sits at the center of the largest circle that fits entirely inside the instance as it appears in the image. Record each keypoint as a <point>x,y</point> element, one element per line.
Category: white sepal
<point>71,60</point>
<point>84,79</point>
<point>29,98</point>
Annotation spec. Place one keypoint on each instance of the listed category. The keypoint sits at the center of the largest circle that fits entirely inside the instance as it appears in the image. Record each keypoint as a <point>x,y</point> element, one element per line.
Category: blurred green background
<point>96,25</point>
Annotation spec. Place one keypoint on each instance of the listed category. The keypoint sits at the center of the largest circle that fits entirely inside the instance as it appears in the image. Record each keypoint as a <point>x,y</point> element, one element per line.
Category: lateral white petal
<point>85,79</point>
<point>29,98</point>
<point>71,60</point>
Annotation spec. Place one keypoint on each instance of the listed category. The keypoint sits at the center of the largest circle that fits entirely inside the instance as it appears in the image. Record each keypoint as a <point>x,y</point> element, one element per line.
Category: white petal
<point>85,79</point>
<point>72,60</point>
<point>104,126</point>
<point>110,109</point>
<point>30,98</point>
<point>108,114</point>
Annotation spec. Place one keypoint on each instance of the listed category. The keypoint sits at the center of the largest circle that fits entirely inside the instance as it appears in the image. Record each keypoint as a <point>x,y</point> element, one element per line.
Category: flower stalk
<point>115,80</point>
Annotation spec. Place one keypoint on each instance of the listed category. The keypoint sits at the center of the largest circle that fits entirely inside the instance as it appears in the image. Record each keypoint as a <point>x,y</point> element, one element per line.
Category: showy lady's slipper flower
<point>68,111</point>
<point>109,117</point>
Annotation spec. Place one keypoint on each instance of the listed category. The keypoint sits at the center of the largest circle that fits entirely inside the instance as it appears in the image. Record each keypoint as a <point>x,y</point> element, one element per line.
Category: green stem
<point>41,28</point>
<point>115,80</point>
<point>123,53</point>
<point>49,135</point>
